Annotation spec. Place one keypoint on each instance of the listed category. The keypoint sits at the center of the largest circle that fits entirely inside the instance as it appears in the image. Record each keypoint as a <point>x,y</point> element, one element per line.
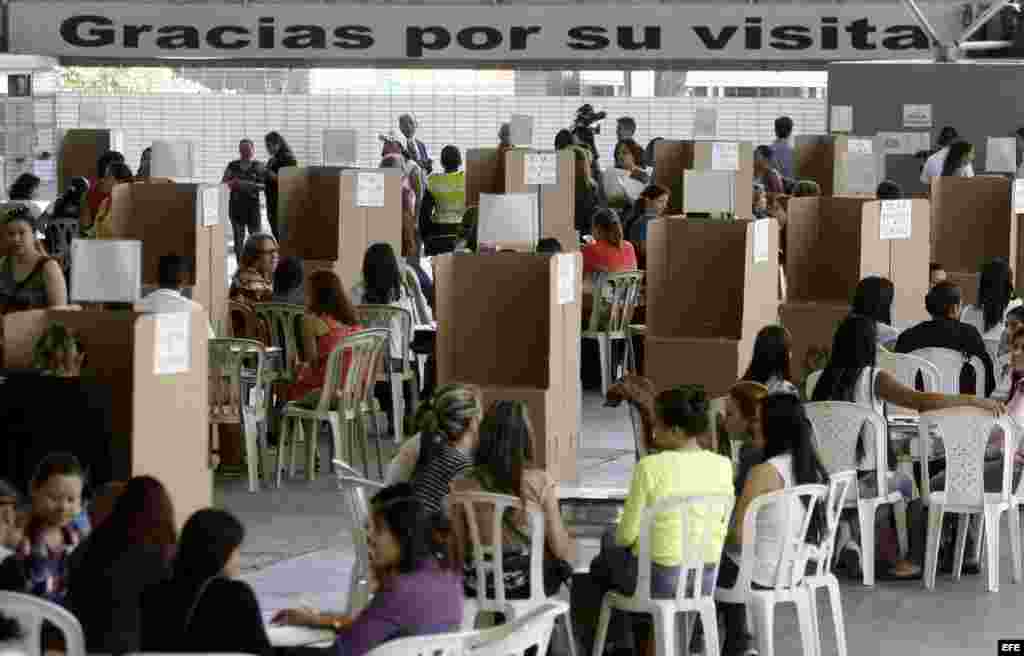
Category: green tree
<point>110,81</point>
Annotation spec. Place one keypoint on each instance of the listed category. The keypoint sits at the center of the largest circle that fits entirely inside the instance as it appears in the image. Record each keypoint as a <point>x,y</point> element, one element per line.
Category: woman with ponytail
<point>609,252</point>
<point>448,425</point>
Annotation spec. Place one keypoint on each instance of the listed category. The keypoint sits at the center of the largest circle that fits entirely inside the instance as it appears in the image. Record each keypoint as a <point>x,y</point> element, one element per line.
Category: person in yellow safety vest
<point>444,202</point>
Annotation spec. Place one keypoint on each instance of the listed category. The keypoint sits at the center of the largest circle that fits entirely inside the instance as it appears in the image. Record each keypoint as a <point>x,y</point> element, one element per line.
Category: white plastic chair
<point>616,296</point>
<point>949,364</point>
<point>355,491</point>
<point>700,551</point>
<point>820,560</point>
<point>487,559</point>
<point>441,644</point>
<point>514,638</point>
<point>789,569</point>
<point>905,368</point>
<point>394,320</point>
<point>237,395</point>
<point>837,428</point>
<point>965,434</point>
<point>31,611</point>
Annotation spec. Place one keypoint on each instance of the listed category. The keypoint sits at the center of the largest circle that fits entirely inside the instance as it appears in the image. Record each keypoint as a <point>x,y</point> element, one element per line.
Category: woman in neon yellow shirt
<point>680,467</point>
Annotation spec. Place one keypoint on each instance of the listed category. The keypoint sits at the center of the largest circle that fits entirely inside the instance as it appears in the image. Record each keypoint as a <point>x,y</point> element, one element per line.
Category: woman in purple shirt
<point>414,594</point>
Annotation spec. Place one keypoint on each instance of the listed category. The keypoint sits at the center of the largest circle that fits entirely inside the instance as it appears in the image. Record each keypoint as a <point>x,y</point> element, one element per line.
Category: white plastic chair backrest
<point>837,429</point>
<point>905,368</point>
<point>811,383</point>
<point>30,612</point>
<point>965,435</point>
<point>441,644</point>
<point>839,486</point>
<point>487,558</point>
<point>949,364</point>
<point>792,561</point>
<point>514,639</point>
<point>355,493</point>
<point>701,540</point>
<point>386,317</point>
<point>366,349</point>
<point>615,298</point>
<point>228,357</point>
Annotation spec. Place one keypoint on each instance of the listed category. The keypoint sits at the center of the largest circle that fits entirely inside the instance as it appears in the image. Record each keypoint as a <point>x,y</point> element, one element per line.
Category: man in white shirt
<point>933,166</point>
<point>174,272</point>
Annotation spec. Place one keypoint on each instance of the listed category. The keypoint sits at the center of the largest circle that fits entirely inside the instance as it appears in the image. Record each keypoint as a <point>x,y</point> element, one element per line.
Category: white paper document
<point>860,146</point>
<point>211,206</point>
<point>541,168</point>
<point>173,353</point>
<point>508,219</point>
<point>705,123</point>
<point>1001,155</point>
<point>841,118</point>
<point>566,278</point>
<point>618,183</point>
<point>106,270</point>
<point>896,219</point>
<point>709,191</point>
<point>761,245</point>
<point>369,189</point>
<point>725,156</point>
<point>917,116</point>
<point>341,147</point>
<point>173,159</point>
<point>1018,196</point>
<point>521,130</point>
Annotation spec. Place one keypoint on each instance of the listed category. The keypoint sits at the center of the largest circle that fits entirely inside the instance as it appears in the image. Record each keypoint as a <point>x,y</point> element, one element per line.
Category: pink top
<point>602,256</point>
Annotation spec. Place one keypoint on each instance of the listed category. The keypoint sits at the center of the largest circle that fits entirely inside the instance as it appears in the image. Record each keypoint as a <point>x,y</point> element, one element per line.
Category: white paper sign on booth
<point>173,353</point>
<point>341,147</point>
<point>860,146</point>
<point>369,189</point>
<point>1001,155</point>
<point>1018,196</point>
<point>709,192</point>
<point>541,168</point>
<point>917,116</point>
<point>521,130</point>
<point>725,156</point>
<point>841,118</point>
<point>761,246</point>
<point>173,159</point>
<point>211,202</point>
<point>896,219</point>
<point>106,270</point>
<point>508,219</point>
<point>566,278</point>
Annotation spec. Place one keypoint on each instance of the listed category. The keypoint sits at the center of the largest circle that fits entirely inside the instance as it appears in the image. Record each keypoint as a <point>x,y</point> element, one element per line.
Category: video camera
<point>586,117</point>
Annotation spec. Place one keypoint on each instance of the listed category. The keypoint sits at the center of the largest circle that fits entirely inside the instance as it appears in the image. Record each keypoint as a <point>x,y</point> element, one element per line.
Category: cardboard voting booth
<point>157,368</point>
<point>812,327</point>
<point>529,351</point>
<point>484,174</point>
<point>552,176</point>
<point>840,164</point>
<point>833,243</point>
<point>671,158</point>
<point>79,150</point>
<point>973,221</point>
<point>178,219</point>
<point>330,215</point>
<point>711,286</point>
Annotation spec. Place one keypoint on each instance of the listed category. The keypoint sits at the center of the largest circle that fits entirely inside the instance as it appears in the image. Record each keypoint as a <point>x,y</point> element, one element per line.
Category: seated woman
<point>771,363</point>
<point>995,299</point>
<point>415,595</point>
<point>852,375</point>
<point>790,460</point>
<point>28,278</point>
<point>129,552</point>
<point>98,225</point>
<point>873,299</point>
<point>502,465</point>
<point>743,423</point>
<point>679,467</point>
<point>254,280</point>
<point>628,171</point>
<point>328,320</point>
<point>609,252</point>
<point>449,425</point>
<point>203,607</point>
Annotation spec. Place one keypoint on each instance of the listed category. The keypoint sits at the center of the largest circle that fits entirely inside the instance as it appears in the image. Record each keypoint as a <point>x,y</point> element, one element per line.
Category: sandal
<point>916,574</point>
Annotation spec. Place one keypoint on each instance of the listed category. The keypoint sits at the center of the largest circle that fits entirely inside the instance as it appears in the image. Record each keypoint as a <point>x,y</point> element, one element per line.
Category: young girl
<point>743,422</point>
<point>39,564</point>
<point>771,362</point>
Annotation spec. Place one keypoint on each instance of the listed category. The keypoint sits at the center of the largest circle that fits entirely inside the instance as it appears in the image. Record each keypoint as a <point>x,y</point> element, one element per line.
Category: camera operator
<point>584,129</point>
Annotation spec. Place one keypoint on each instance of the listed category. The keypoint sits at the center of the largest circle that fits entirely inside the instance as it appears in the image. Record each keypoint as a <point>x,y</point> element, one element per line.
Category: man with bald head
<point>415,149</point>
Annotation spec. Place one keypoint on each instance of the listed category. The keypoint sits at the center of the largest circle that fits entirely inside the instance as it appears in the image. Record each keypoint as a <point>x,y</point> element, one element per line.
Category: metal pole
<point>981,20</point>
<point>923,21</point>
<point>985,45</point>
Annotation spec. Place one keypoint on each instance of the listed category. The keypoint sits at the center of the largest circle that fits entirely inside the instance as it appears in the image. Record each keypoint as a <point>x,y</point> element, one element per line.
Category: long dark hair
<point>381,276</point>
<point>873,298</point>
<point>788,430</point>
<point>283,147</point>
<point>854,347</point>
<point>209,538</point>
<point>408,520</point>
<point>143,515</point>
<point>327,297</point>
<point>995,287</point>
<point>956,157</point>
<point>24,186</point>
<point>505,447</point>
<point>772,350</point>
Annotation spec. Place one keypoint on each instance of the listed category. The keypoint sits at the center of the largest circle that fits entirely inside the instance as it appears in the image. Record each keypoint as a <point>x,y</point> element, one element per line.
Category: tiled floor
<point>297,551</point>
